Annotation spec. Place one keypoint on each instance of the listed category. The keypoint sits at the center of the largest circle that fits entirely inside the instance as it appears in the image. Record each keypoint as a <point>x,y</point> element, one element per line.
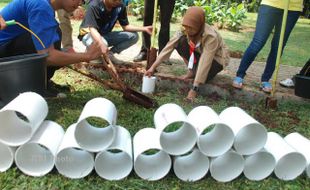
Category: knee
<point>256,45</point>
<point>134,37</point>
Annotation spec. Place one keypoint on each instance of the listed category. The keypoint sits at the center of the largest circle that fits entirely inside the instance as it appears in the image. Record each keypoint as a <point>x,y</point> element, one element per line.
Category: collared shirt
<point>211,47</point>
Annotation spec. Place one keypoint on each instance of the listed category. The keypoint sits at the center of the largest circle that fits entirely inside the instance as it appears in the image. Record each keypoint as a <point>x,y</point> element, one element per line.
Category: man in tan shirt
<point>201,47</point>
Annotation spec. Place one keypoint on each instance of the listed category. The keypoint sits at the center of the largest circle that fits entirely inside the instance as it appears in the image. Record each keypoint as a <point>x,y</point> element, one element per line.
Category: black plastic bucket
<point>302,86</point>
<point>22,73</point>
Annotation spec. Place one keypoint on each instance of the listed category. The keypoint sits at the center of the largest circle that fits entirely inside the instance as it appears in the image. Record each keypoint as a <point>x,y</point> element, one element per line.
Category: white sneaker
<point>289,83</point>
<point>114,59</point>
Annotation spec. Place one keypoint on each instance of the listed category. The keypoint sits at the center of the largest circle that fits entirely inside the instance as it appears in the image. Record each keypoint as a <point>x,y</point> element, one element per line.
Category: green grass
<point>290,117</point>
<point>4,2</point>
<point>296,52</point>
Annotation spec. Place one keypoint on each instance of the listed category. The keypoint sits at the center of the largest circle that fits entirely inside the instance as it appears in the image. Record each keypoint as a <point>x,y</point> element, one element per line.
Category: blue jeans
<point>268,19</point>
<point>119,40</point>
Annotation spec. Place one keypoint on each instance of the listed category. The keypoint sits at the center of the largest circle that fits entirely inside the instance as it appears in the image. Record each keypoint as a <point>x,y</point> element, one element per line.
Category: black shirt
<point>97,16</point>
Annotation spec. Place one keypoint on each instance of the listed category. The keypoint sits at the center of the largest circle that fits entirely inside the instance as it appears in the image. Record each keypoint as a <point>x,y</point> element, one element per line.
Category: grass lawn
<point>296,52</point>
<point>290,117</point>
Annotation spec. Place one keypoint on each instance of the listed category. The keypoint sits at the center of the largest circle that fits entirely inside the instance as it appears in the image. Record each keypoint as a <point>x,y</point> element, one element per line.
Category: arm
<point>164,55</point>
<point>98,39</point>
<point>205,62</point>
<point>2,23</point>
<point>59,58</point>
<point>130,28</point>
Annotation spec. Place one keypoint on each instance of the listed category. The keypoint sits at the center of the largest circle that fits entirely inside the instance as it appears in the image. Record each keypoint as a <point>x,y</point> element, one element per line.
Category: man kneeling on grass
<point>201,47</point>
<point>39,16</point>
<point>100,18</point>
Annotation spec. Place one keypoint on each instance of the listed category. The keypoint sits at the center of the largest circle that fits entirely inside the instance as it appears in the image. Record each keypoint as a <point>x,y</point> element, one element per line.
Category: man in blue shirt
<point>100,18</point>
<point>39,16</point>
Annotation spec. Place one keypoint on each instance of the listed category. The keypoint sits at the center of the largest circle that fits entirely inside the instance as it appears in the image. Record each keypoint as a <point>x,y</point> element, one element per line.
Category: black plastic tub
<point>22,73</point>
<point>302,86</point>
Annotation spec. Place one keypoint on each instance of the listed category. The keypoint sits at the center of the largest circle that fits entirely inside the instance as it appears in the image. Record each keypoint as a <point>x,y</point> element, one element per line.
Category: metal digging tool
<point>128,93</point>
<point>152,52</point>
<point>271,101</point>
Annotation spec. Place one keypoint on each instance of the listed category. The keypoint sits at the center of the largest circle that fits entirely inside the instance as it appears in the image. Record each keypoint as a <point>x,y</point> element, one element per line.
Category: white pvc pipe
<point>191,167</point>
<point>37,157</point>
<point>289,163</point>
<point>148,84</point>
<point>94,138</point>
<point>21,117</point>
<point>177,142</point>
<point>150,167</point>
<point>259,165</point>
<point>116,165</point>
<point>302,145</point>
<point>227,167</point>
<point>220,137</point>
<point>6,157</point>
<point>72,161</point>
<point>250,135</point>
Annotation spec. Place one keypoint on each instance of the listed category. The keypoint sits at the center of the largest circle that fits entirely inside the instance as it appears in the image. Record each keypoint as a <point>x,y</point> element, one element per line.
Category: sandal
<point>237,82</point>
<point>266,87</point>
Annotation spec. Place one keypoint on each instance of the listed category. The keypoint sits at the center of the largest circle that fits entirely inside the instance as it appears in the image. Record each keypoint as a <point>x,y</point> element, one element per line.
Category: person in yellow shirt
<point>269,18</point>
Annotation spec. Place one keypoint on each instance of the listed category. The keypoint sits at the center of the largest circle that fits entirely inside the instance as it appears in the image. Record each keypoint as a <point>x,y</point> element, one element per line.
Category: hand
<point>148,29</point>
<point>149,72</point>
<point>2,23</point>
<point>104,48</point>
<point>191,96</point>
<point>94,51</point>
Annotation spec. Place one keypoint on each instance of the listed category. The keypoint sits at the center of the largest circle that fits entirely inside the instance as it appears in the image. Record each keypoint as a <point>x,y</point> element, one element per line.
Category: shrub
<point>137,8</point>
<point>229,15</point>
<point>234,17</point>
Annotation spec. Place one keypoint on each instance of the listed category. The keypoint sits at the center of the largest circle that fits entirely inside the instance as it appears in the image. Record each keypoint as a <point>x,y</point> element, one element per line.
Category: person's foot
<point>140,57</point>
<point>52,93</point>
<point>237,82</point>
<point>266,87</point>
<point>114,60</point>
<point>57,87</point>
<point>1,104</point>
<point>188,75</point>
<point>288,83</point>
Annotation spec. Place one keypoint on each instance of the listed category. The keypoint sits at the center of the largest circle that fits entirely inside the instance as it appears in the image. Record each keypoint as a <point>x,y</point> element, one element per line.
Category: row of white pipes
<point>226,144</point>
